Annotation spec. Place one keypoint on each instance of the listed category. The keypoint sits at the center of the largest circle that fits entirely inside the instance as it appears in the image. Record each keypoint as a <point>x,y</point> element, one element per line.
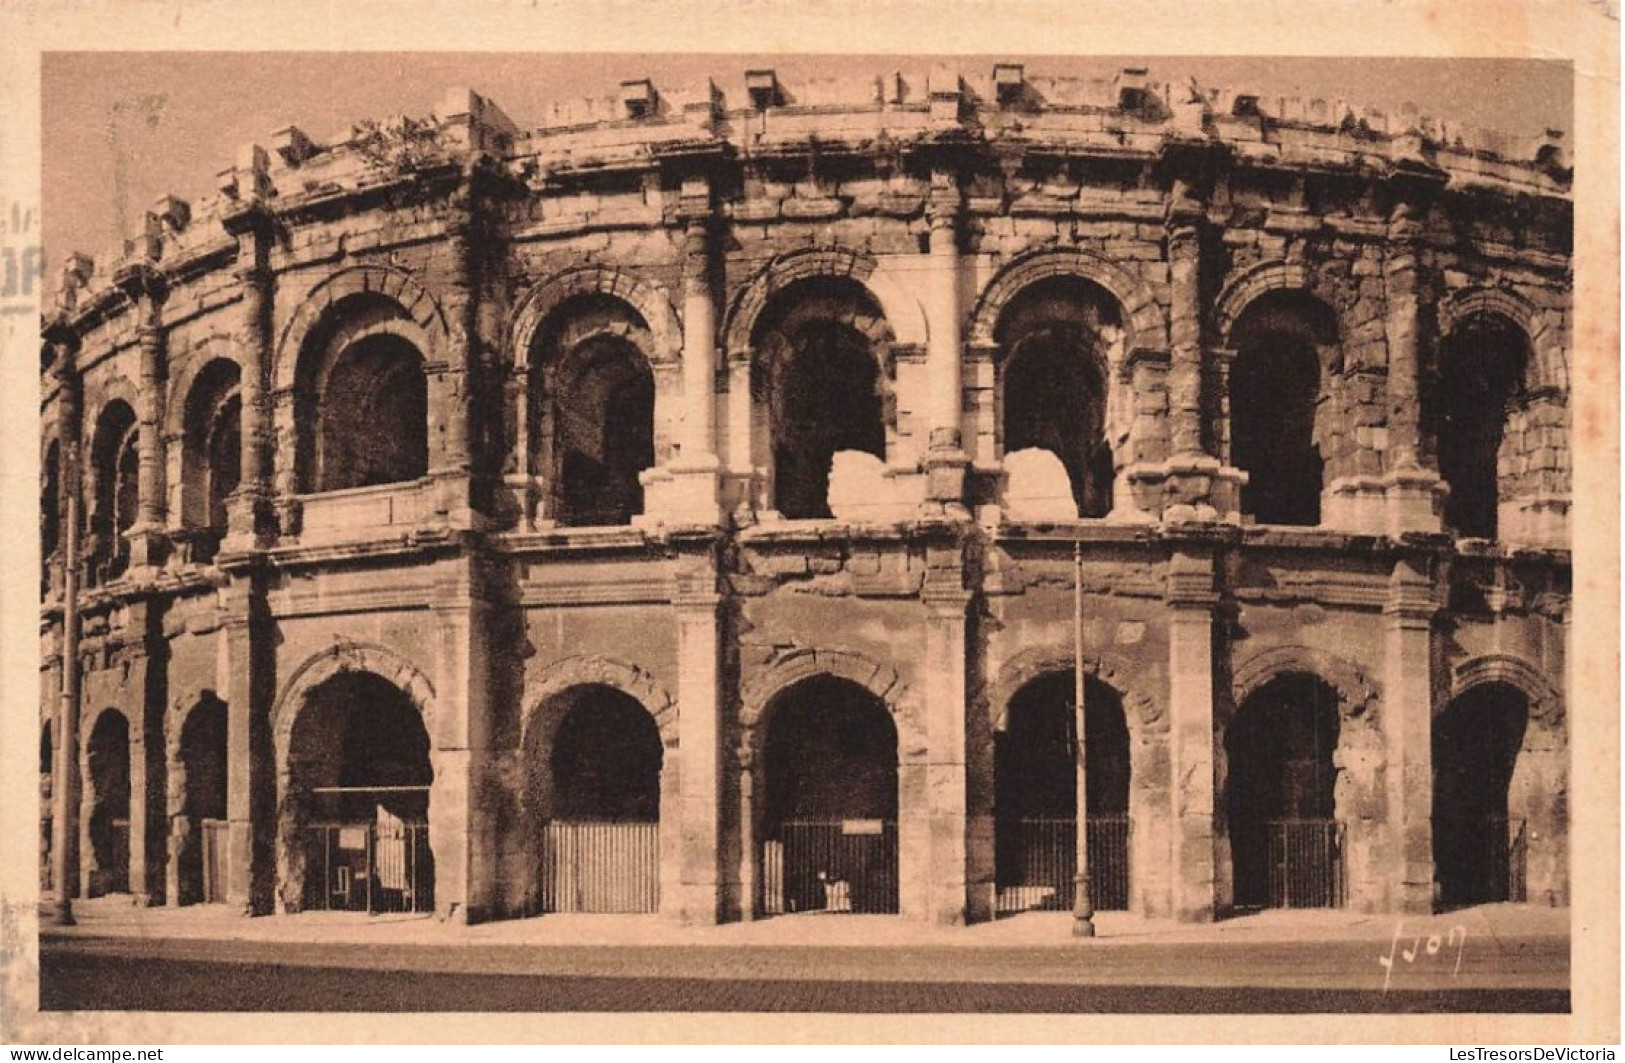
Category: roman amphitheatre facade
<point>700,503</point>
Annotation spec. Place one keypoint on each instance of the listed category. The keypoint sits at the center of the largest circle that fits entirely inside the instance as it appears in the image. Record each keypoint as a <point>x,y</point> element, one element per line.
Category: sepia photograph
<point>811,532</point>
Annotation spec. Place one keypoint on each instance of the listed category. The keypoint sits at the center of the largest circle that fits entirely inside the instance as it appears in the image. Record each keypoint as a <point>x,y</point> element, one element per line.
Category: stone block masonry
<point>678,507</point>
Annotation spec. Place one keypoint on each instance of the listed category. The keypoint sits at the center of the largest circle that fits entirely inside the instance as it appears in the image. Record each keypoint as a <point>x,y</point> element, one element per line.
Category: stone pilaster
<point>249,687</point>
<point>1196,891</point>
<point>743,485</point>
<point>1227,485</point>
<point>944,697</point>
<point>145,286</point>
<point>1184,333</point>
<point>749,821</point>
<point>248,514</point>
<point>1407,720</point>
<point>699,745</point>
<point>686,491</point>
<point>462,817</point>
<point>452,379</point>
<point>946,462</point>
<point>1191,470</point>
<point>1414,493</point>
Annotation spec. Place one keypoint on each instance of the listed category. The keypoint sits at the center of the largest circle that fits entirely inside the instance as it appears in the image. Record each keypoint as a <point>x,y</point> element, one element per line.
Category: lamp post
<point>65,750</point>
<point>1083,908</point>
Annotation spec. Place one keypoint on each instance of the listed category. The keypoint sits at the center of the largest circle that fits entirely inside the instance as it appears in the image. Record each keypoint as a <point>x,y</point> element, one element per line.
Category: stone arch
<point>1357,694</point>
<point>87,726</point>
<point>180,710</point>
<point>1548,367</point>
<point>646,298</point>
<point>395,285</point>
<point>1536,792</point>
<point>598,670</point>
<point>106,860</point>
<point>111,493</point>
<point>901,310</point>
<point>1241,290</point>
<point>337,659</point>
<point>1545,701</point>
<point>50,501</point>
<point>786,670</point>
<point>116,388</point>
<point>183,380</point>
<point>213,385</point>
<point>1144,713</point>
<point>197,773</point>
<point>1143,318</point>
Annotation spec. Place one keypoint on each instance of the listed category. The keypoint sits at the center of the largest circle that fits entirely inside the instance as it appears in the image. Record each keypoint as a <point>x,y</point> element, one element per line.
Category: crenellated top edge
<point>753,110</point>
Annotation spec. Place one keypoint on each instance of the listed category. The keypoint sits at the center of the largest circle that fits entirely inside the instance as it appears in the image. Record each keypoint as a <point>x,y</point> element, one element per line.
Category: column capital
<point>947,602</point>
<point>1411,592</point>
<point>145,285</point>
<point>1189,580</point>
<point>944,202</point>
<point>1186,207</point>
<point>696,604</point>
<point>695,202</point>
<point>251,218</point>
<point>64,337</point>
<point>254,276</point>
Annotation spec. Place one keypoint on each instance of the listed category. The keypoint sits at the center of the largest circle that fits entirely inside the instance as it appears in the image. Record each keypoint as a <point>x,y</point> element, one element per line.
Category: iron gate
<point>216,836</point>
<point>368,867</point>
<point>831,865</point>
<point>1306,863</point>
<point>1489,855</point>
<point>1517,863</point>
<point>600,866</point>
<point>1037,860</point>
<point>116,874</point>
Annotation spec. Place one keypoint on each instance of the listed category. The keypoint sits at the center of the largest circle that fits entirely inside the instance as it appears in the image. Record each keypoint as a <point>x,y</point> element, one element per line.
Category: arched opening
<point>595,801</point>
<point>116,460</point>
<point>211,455</point>
<point>201,863</point>
<point>50,516</point>
<point>1035,801</point>
<point>1275,398</point>
<point>592,405</point>
<point>830,801</point>
<point>374,416</point>
<point>47,768</point>
<point>605,423</point>
<point>1478,845</point>
<point>818,373</point>
<point>358,803</point>
<point>108,756</point>
<point>1480,382</point>
<point>1053,339</point>
<point>1285,841</point>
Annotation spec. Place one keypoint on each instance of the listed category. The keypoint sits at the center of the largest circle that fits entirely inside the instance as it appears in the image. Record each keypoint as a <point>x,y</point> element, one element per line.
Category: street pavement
<point>1502,958</point>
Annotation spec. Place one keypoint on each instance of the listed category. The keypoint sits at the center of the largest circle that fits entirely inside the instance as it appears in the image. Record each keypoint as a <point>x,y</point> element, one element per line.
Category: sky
<point>122,129</point>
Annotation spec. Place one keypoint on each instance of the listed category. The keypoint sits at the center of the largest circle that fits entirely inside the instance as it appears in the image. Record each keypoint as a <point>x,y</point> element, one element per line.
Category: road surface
<point>88,973</point>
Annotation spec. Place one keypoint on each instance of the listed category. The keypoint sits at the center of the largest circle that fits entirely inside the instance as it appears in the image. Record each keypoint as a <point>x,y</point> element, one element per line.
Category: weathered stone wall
<point>705,231</point>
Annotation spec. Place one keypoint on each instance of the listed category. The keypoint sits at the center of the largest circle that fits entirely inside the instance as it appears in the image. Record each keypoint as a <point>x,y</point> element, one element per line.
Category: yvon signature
<point>1456,939</point>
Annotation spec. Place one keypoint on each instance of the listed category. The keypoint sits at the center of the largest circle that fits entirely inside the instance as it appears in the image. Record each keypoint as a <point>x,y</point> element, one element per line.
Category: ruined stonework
<point>705,470</point>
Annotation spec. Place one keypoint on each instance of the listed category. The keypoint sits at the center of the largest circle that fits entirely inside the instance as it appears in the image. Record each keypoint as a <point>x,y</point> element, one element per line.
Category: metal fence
<point>1517,863</point>
<point>1036,860</point>
<point>368,867</point>
<point>600,866</point>
<point>831,865</point>
<point>1306,867</point>
<point>216,839</point>
<point>116,873</point>
<point>1484,859</point>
